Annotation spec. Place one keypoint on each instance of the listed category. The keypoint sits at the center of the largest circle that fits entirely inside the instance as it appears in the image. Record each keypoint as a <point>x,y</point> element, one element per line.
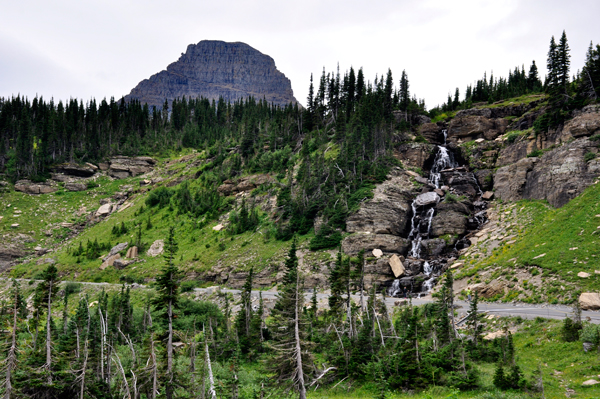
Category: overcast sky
<point>85,49</point>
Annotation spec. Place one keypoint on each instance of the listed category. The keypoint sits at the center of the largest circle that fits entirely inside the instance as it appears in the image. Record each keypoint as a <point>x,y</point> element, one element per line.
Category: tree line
<point>565,93</point>
<point>173,347</point>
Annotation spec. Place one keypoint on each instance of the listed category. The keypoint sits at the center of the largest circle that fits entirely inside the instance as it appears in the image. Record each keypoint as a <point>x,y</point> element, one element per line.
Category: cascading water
<point>423,212</point>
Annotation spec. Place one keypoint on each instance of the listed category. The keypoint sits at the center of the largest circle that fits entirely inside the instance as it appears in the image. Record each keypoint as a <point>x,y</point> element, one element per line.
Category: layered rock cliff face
<point>214,69</point>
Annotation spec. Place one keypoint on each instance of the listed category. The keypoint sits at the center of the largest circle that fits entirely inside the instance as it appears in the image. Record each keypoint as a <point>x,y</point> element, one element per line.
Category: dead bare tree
<point>11,358</point>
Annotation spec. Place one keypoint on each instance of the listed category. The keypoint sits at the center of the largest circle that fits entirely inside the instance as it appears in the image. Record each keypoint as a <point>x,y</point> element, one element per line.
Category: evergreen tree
<point>167,301</point>
<point>404,95</point>
<point>291,358</point>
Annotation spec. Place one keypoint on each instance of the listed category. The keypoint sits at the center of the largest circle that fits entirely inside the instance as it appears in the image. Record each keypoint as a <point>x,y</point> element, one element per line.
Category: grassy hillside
<point>201,248</point>
<point>554,244</point>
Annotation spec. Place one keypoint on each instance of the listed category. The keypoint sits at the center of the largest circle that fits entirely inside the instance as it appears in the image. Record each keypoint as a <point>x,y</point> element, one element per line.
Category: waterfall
<point>395,288</point>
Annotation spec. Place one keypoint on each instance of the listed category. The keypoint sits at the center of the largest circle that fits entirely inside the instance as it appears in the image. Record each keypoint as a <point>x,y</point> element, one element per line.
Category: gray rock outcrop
<point>387,212</point>
<point>558,176</point>
<point>29,187</point>
<point>122,167</point>
<point>213,69</point>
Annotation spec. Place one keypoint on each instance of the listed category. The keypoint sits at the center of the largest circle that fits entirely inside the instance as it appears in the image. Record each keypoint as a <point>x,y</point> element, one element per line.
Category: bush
<point>326,238</point>
<point>451,198</point>
<point>535,154</point>
<point>570,330</point>
<point>589,156</point>
<point>512,137</point>
<point>161,197</point>
<point>188,286</point>
<point>591,333</point>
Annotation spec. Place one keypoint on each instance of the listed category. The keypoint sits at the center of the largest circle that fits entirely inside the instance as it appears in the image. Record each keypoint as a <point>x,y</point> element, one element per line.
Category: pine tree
<point>404,95</point>
<point>289,344</point>
<point>474,320</point>
<point>167,300</point>
<point>564,62</point>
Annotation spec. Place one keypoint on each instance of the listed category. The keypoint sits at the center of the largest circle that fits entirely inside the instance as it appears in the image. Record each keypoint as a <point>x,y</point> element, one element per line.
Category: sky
<point>101,49</point>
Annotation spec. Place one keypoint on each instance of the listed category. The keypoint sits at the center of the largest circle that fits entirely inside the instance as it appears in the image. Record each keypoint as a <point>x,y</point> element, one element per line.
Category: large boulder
<point>415,155</point>
<point>121,167</point>
<point>397,266</point>
<point>72,169</point>
<point>510,181</point>
<point>586,123</point>
<point>353,243</point>
<point>387,212</point>
<point>75,186</point>
<point>156,248</point>
<point>430,198</point>
<point>449,222</point>
<point>589,301</point>
<point>104,210</point>
<point>29,187</point>
<point>470,127</point>
<point>244,184</point>
<point>116,249</point>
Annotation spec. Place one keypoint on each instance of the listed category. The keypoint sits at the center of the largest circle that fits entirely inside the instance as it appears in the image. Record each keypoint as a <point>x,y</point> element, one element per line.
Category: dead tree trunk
<point>298,348</point>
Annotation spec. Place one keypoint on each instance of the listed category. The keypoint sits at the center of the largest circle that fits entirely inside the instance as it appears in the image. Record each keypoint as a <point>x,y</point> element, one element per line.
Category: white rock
<point>156,248</point>
<point>456,265</point>
<point>377,253</point>
<point>539,256</point>
<point>427,199</point>
<point>218,227</point>
<point>104,209</point>
<point>479,140</point>
<point>589,383</point>
<point>396,265</point>
<point>583,274</point>
<point>14,225</point>
<point>589,300</point>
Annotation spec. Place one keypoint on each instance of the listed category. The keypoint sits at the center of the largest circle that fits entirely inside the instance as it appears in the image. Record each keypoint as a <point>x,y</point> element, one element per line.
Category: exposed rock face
<point>585,123</point>
<point>385,242</point>
<point>122,167</point>
<point>248,183</point>
<point>387,211</point>
<point>75,186</point>
<point>416,155</point>
<point>71,169</point>
<point>214,69</point>
<point>29,187</point>
<point>472,127</point>
<point>558,176</point>
<point>510,180</point>
<point>432,132</point>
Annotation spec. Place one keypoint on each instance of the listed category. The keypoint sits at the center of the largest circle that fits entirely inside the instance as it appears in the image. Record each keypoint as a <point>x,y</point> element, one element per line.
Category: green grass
<point>522,100</point>
<point>200,247</point>
<point>561,242</point>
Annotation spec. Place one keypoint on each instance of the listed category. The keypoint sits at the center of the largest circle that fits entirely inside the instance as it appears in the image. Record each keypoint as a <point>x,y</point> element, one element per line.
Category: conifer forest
<point>61,339</point>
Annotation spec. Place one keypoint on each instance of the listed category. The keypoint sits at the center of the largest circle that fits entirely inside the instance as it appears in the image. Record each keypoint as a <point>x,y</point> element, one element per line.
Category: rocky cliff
<point>214,69</point>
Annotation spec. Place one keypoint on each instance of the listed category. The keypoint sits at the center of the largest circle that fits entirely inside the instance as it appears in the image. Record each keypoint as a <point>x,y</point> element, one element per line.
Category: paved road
<point>526,311</point>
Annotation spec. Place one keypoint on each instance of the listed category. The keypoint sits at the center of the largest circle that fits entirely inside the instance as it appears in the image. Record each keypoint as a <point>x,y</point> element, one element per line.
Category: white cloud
<point>75,48</point>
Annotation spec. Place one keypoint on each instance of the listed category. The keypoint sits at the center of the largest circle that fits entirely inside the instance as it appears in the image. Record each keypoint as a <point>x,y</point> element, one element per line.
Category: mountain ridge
<point>213,69</point>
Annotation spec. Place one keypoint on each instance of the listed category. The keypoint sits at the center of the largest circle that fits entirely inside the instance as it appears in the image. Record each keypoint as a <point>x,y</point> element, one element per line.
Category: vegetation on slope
<point>555,243</point>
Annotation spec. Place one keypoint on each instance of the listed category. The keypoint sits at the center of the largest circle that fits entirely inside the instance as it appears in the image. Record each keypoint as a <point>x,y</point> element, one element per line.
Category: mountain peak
<point>213,69</point>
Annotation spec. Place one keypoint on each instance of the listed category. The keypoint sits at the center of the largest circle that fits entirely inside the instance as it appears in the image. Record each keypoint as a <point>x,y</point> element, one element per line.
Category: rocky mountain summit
<point>213,69</point>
